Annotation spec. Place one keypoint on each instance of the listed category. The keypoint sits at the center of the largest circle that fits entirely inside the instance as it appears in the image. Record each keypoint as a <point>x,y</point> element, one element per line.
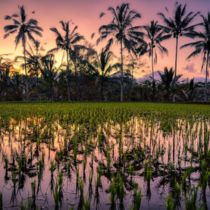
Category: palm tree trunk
<point>132,83</point>
<point>78,94</point>
<point>153,75</point>
<point>152,55</point>
<point>25,69</point>
<point>68,76</point>
<point>176,55</point>
<point>206,79</point>
<point>121,71</point>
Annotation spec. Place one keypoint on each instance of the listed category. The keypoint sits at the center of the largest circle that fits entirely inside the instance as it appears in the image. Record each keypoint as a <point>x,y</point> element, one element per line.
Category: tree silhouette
<point>154,35</point>
<point>102,65</point>
<point>169,83</point>
<point>49,74</point>
<point>67,42</point>
<point>92,79</point>
<point>121,30</point>
<point>178,25</point>
<point>25,29</point>
<point>201,46</point>
<point>32,60</point>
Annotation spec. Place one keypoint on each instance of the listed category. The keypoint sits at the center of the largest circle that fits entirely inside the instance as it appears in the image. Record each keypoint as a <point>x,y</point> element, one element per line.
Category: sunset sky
<point>85,14</point>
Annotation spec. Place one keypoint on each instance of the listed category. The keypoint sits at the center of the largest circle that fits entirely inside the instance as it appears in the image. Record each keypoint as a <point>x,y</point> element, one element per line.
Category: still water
<point>147,163</point>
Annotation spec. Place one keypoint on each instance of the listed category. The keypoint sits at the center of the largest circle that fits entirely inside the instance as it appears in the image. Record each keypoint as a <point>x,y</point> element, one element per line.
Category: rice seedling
<point>104,150</point>
<point>82,202</point>
<point>58,191</point>
<point>191,199</point>
<point>86,205</point>
<point>116,189</point>
<point>33,191</point>
<point>170,203</point>
<point>136,198</point>
<point>52,168</point>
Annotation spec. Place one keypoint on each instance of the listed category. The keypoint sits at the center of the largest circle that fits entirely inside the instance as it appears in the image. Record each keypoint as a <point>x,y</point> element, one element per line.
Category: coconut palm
<point>178,25</point>
<point>169,83</point>
<point>80,56</point>
<point>102,65</point>
<point>49,74</point>
<point>201,46</point>
<point>121,30</point>
<point>24,28</point>
<point>154,35</point>
<point>67,42</point>
<point>32,60</point>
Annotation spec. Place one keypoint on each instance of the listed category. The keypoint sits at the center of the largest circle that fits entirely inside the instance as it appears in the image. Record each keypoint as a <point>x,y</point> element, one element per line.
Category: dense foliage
<point>86,74</point>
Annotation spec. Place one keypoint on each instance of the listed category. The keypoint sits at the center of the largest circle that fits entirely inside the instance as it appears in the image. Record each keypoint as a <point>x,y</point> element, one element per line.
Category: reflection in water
<point>57,164</point>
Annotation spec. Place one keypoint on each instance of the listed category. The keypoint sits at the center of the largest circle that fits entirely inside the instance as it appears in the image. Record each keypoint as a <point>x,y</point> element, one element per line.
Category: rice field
<point>104,156</point>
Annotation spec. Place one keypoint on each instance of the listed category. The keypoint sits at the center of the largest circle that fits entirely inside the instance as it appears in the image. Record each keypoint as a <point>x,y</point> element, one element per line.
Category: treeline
<point>86,74</point>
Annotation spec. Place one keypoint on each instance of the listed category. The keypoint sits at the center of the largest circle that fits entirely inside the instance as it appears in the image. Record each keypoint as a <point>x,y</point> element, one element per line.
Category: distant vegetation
<point>84,74</point>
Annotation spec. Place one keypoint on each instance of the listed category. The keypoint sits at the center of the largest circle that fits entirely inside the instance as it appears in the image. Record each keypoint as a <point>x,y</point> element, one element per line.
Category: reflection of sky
<point>85,13</point>
<point>136,133</point>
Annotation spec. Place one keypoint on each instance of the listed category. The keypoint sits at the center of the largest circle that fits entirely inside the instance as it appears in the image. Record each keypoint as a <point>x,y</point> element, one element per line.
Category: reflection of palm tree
<point>122,30</point>
<point>169,82</point>
<point>179,25</point>
<point>67,42</point>
<point>25,30</point>
<point>155,35</point>
<point>202,46</point>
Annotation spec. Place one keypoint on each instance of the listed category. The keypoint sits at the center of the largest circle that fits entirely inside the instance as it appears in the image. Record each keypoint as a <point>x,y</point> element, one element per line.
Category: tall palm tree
<point>121,30</point>
<point>201,46</point>
<point>25,29</point>
<point>178,25</point>
<point>102,65</point>
<point>154,35</point>
<point>67,42</point>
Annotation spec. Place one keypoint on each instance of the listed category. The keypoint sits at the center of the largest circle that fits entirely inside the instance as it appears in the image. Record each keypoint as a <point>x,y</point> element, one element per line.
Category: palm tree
<point>121,30</point>
<point>67,42</point>
<point>178,25</point>
<point>5,79</point>
<point>32,60</point>
<point>25,29</point>
<point>202,46</point>
<point>154,35</point>
<point>49,74</point>
<point>102,65</point>
<point>169,83</point>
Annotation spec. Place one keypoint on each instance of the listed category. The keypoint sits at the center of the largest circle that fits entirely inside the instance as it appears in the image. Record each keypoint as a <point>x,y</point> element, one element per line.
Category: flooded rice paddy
<point>104,156</point>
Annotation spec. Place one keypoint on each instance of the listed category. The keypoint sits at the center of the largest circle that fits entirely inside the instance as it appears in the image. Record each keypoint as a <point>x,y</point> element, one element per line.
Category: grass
<point>104,110</point>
